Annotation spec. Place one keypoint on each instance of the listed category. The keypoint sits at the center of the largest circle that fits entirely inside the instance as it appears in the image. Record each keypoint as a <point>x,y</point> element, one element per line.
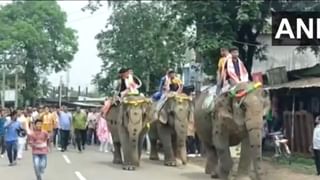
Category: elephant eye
<point>243,106</point>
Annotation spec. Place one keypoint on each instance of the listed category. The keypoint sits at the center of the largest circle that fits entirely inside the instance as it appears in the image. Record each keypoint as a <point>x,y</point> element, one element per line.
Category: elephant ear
<point>163,116</point>
<point>147,112</point>
<point>166,109</point>
<point>223,108</point>
<point>265,99</point>
<point>191,112</point>
<point>121,118</point>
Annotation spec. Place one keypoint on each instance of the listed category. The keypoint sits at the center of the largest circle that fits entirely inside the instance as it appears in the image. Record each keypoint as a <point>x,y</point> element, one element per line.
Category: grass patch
<point>298,164</point>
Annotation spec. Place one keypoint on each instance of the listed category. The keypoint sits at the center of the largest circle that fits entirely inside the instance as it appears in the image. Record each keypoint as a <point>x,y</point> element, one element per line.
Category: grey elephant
<point>171,129</point>
<point>128,125</point>
<point>236,118</point>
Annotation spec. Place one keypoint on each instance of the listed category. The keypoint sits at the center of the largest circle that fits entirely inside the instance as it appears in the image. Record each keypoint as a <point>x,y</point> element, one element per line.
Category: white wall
<point>283,56</point>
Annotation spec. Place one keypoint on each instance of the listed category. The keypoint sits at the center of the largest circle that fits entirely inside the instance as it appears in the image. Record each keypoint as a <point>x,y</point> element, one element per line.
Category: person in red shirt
<point>39,141</point>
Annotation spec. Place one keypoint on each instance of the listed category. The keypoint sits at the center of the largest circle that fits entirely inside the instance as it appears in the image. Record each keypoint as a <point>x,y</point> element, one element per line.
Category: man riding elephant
<point>129,84</point>
<point>168,83</point>
<point>231,71</point>
<point>173,113</point>
<point>127,120</point>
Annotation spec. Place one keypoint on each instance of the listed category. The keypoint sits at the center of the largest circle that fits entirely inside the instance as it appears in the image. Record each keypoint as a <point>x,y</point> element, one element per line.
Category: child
<point>103,134</point>
<point>39,141</point>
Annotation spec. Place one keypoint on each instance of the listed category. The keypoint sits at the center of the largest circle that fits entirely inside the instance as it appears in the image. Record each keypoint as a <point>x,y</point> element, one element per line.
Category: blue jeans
<point>12,150</point>
<point>39,164</point>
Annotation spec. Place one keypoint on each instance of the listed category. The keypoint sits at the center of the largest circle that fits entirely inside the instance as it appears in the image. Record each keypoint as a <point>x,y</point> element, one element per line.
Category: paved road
<point>93,165</point>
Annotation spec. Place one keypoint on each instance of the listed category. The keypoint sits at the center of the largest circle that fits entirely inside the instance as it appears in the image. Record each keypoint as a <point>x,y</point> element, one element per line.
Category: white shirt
<point>34,115</point>
<point>316,137</point>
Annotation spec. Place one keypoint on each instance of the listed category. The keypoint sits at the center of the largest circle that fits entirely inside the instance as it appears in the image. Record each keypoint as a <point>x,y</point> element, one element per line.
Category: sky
<point>86,63</point>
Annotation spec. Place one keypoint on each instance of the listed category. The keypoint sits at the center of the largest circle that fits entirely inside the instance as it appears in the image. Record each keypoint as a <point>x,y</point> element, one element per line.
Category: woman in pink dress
<point>104,135</point>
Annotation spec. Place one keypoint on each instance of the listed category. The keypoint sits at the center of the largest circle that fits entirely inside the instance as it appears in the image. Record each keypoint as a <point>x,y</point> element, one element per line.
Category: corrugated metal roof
<point>298,84</point>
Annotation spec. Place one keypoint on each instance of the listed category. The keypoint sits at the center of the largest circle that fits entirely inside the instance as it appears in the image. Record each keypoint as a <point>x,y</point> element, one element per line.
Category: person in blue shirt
<point>12,128</point>
<point>2,142</point>
<point>65,126</point>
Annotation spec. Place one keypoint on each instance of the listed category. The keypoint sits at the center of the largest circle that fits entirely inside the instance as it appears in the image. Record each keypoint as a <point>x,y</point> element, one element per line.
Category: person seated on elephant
<point>129,84</point>
<point>225,54</point>
<point>234,71</point>
<point>169,83</point>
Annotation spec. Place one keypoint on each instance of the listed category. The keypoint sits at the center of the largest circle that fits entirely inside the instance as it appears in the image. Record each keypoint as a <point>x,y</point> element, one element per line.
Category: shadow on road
<point>196,175</point>
<point>109,164</point>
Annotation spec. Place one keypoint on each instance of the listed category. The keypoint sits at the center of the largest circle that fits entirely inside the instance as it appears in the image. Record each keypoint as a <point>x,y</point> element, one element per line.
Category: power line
<point>87,17</point>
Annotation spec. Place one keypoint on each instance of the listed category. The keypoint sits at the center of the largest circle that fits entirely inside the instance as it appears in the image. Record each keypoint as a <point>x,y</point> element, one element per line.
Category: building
<point>295,98</point>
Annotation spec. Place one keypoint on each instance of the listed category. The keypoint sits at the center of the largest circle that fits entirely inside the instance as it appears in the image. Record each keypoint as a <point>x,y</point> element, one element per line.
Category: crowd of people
<point>45,128</point>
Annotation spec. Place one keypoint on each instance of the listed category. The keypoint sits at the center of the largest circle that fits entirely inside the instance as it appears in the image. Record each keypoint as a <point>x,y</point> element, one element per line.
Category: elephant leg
<point>154,155</point>
<point>128,150</point>
<point>255,151</point>
<point>117,158</point>
<point>166,140</point>
<point>212,161</point>
<point>180,150</point>
<point>153,136</point>
<point>142,137</point>
<point>225,163</point>
<point>245,159</point>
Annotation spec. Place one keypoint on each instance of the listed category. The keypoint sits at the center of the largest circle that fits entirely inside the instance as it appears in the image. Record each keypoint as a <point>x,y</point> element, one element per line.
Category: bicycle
<point>282,150</point>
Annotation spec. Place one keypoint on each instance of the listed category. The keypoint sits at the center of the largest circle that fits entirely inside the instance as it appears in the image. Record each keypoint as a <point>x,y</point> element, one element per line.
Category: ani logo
<point>295,28</point>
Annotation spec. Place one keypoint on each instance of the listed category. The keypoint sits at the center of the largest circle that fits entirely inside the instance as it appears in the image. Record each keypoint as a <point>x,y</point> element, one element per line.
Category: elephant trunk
<point>254,127</point>
<point>134,142</point>
<point>181,131</point>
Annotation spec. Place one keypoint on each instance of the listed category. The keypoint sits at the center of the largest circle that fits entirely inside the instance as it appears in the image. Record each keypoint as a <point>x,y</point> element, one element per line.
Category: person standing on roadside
<point>55,126</point>
<point>39,141</point>
<point>2,141</point>
<point>12,129</point>
<point>91,123</point>
<point>79,122</point>
<point>22,139</point>
<point>316,144</point>
<point>65,125</point>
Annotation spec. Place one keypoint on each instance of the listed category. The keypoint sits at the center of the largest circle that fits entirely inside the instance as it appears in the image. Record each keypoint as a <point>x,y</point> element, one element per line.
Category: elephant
<point>171,129</point>
<point>128,125</point>
<point>233,120</point>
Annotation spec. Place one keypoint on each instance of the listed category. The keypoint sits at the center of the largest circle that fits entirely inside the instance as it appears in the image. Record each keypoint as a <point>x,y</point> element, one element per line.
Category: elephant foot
<point>154,158</point>
<point>242,178</point>
<point>170,163</point>
<point>117,161</point>
<point>214,175</point>
<point>128,167</point>
<point>223,175</point>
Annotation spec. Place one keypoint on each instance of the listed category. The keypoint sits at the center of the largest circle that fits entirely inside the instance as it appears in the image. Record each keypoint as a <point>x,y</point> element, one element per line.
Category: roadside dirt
<point>272,171</point>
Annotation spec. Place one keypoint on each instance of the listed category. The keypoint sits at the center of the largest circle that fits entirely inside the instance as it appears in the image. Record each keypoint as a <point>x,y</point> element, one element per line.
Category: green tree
<point>226,23</point>
<point>37,27</point>
<point>140,36</point>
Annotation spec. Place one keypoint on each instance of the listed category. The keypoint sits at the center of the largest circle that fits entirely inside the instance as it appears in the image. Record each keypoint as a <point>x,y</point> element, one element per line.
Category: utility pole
<point>60,92</point>
<point>16,81</point>
<point>67,84</point>
<point>3,86</point>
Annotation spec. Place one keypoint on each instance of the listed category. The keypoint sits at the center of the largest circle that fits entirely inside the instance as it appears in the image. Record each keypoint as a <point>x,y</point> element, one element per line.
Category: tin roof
<point>298,84</point>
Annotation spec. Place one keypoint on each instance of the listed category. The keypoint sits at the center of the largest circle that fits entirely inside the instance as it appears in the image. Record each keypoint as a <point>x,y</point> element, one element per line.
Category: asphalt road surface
<point>94,165</point>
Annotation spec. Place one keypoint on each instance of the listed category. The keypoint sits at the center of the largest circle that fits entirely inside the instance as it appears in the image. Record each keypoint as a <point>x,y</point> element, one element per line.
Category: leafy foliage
<point>37,27</point>
<point>223,23</point>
